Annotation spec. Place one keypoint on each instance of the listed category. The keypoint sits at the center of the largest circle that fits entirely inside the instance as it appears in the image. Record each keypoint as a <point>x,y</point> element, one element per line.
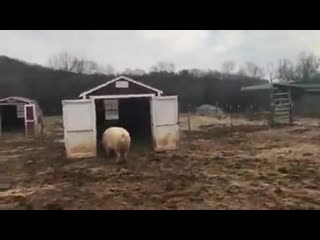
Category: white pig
<point>117,139</point>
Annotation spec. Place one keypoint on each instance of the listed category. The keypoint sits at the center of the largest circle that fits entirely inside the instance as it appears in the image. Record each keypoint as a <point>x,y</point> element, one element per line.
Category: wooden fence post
<point>290,108</point>
<point>216,108</point>
<point>189,118</point>
<point>42,131</point>
<point>272,106</point>
<point>231,122</point>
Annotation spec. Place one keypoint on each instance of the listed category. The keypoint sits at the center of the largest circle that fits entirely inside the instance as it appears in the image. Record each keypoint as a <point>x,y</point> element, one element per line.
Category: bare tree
<point>127,71</point>
<point>154,69</point>
<point>197,72</point>
<point>62,61</point>
<point>138,72</point>
<point>285,70</point>
<point>271,71</point>
<point>228,67</point>
<point>108,69</point>
<point>307,66</point>
<point>252,70</point>
<point>242,72</point>
<point>85,66</point>
<point>163,67</point>
<point>166,67</point>
<point>134,72</point>
<point>67,62</point>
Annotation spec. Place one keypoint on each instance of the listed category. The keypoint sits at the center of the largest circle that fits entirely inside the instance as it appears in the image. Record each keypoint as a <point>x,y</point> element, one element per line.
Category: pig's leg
<point>125,156</point>
<point>118,157</point>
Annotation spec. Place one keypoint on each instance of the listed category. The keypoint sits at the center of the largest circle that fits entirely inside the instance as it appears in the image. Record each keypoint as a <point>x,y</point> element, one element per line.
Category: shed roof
<point>18,99</point>
<point>267,86</point>
<point>116,79</point>
<point>316,90</point>
<point>206,107</point>
<point>7,100</point>
<point>308,87</point>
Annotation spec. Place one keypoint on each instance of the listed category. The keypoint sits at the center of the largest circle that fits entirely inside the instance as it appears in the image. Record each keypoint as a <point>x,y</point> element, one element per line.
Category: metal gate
<point>281,107</point>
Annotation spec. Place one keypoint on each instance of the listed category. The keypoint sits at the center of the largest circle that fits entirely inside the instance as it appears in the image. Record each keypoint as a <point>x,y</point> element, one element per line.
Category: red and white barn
<point>138,107</point>
<point>19,114</point>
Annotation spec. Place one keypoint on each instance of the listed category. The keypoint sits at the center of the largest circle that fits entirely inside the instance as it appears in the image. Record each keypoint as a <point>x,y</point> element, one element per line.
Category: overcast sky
<point>142,49</point>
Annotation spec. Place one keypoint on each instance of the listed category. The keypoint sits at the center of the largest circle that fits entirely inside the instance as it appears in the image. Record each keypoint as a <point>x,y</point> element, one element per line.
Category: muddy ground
<point>248,166</point>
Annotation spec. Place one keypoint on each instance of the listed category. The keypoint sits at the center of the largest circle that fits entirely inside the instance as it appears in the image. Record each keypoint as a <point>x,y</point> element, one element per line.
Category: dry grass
<point>199,122</point>
<point>215,167</point>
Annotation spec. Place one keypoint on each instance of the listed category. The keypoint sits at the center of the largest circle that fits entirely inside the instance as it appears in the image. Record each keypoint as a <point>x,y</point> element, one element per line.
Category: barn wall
<point>307,105</point>
<point>112,90</point>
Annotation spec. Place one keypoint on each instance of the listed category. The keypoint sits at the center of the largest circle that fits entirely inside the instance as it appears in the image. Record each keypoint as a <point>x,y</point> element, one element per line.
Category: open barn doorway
<point>11,120</point>
<point>133,114</point>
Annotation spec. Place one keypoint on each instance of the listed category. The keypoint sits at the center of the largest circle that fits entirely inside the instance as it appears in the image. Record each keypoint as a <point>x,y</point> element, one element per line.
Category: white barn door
<point>79,121</point>
<point>165,127</point>
<point>30,120</point>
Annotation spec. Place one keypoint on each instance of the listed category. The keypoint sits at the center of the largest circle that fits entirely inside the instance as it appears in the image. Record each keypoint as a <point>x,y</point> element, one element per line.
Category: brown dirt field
<point>249,167</point>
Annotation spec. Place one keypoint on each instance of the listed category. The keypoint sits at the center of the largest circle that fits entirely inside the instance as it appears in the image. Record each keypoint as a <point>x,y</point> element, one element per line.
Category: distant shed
<point>124,102</point>
<point>281,102</point>
<point>20,114</point>
<point>209,110</point>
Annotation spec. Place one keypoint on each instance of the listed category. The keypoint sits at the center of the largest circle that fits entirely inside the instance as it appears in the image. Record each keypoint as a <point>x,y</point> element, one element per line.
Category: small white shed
<point>20,113</point>
<point>138,107</point>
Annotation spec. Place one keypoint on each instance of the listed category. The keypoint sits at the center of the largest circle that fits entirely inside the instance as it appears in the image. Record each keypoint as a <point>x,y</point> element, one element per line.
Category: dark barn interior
<point>134,115</point>
<point>9,120</point>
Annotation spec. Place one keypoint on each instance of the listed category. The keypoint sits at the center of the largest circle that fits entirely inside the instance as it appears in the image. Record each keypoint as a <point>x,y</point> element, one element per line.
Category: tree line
<point>66,76</point>
<point>306,67</point>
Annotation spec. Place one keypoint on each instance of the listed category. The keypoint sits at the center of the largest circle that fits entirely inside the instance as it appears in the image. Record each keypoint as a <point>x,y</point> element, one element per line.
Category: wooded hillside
<point>49,86</point>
